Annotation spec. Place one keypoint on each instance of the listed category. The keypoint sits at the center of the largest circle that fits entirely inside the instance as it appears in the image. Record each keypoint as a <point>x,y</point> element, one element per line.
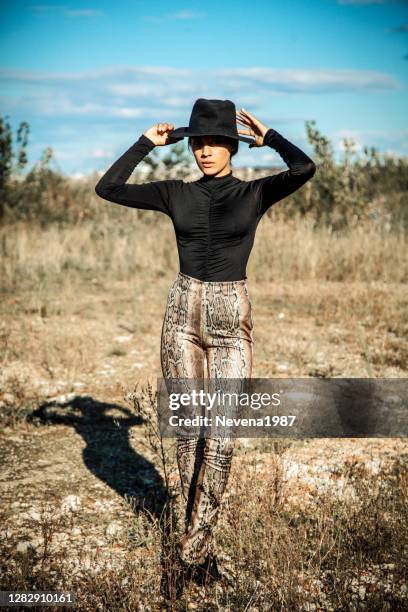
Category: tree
<point>6,158</point>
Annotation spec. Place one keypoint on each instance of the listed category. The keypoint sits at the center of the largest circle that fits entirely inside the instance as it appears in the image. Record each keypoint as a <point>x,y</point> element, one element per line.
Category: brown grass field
<point>316,524</point>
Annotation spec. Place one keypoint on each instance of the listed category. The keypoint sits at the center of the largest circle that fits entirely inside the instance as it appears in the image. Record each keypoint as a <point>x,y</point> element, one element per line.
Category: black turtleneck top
<point>214,218</point>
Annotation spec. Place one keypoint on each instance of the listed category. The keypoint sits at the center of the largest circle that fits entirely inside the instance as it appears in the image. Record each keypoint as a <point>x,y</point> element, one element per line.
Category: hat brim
<point>183,132</point>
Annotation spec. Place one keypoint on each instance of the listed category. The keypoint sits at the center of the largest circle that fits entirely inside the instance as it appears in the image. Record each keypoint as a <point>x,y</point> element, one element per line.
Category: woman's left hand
<point>255,127</point>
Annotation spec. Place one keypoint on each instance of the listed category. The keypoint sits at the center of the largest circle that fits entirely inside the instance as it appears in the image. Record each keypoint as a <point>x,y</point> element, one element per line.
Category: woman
<point>208,316</point>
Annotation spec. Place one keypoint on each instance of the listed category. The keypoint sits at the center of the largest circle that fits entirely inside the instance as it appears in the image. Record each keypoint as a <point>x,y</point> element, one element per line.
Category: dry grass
<point>292,543</point>
<point>80,326</point>
<point>284,251</point>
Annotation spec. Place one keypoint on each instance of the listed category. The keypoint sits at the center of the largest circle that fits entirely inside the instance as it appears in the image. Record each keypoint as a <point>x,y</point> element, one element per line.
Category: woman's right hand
<point>159,134</point>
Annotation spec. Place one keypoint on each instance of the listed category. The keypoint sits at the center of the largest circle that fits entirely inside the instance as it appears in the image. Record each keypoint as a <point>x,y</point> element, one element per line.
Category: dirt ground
<point>75,353</point>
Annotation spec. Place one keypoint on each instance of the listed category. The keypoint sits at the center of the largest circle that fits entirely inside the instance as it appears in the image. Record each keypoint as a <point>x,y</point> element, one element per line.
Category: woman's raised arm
<point>112,185</point>
<point>277,186</point>
<point>274,188</point>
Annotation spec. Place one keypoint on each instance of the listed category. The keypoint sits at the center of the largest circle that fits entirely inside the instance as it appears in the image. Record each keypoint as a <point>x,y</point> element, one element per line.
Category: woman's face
<point>212,154</point>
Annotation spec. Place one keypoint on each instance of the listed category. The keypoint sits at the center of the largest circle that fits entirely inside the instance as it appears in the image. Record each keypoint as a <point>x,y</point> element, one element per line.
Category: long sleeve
<point>112,185</point>
<point>274,188</point>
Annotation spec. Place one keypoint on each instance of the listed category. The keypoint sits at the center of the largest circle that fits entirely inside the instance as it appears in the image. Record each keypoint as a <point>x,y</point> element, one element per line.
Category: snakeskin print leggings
<point>205,322</point>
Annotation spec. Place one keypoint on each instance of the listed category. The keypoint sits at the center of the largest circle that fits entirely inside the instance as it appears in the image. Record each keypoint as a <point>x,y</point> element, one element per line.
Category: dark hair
<point>222,139</point>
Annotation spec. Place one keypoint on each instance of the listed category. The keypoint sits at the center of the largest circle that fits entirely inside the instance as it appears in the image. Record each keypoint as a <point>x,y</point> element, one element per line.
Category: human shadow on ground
<point>105,428</point>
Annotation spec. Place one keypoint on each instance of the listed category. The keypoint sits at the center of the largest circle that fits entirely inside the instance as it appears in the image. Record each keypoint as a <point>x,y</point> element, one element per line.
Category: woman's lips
<point>208,163</point>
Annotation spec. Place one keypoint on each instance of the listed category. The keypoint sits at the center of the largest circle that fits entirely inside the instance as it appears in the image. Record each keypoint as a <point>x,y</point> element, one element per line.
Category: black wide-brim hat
<point>211,118</point>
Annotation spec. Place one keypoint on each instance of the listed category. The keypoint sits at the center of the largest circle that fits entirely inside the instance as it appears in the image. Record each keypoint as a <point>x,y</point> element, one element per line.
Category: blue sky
<point>90,77</point>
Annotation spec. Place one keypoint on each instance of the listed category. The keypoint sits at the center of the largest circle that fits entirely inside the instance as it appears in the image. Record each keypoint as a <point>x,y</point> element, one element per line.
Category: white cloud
<point>186,85</point>
<point>183,15</point>
<point>362,2</point>
<point>114,97</point>
<point>64,10</point>
<point>83,13</point>
<point>380,139</point>
<point>308,80</point>
<point>186,14</point>
<point>357,145</point>
<point>100,153</point>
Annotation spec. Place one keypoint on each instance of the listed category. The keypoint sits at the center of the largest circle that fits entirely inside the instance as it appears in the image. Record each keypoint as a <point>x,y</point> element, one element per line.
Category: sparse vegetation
<point>90,492</point>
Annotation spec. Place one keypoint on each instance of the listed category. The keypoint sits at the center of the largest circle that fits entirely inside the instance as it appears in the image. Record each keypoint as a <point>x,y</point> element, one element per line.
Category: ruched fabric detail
<point>214,218</point>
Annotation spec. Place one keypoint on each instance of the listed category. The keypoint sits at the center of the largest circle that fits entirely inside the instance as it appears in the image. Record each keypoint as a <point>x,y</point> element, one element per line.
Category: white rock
<point>62,399</point>
<point>71,502</point>
<point>24,545</point>
<point>86,561</point>
<point>102,507</point>
<point>9,398</point>
<point>34,515</point>
<point>293,469</point>
<point>99,542</point>
<point>60,537</point>
<point>112,529</point>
